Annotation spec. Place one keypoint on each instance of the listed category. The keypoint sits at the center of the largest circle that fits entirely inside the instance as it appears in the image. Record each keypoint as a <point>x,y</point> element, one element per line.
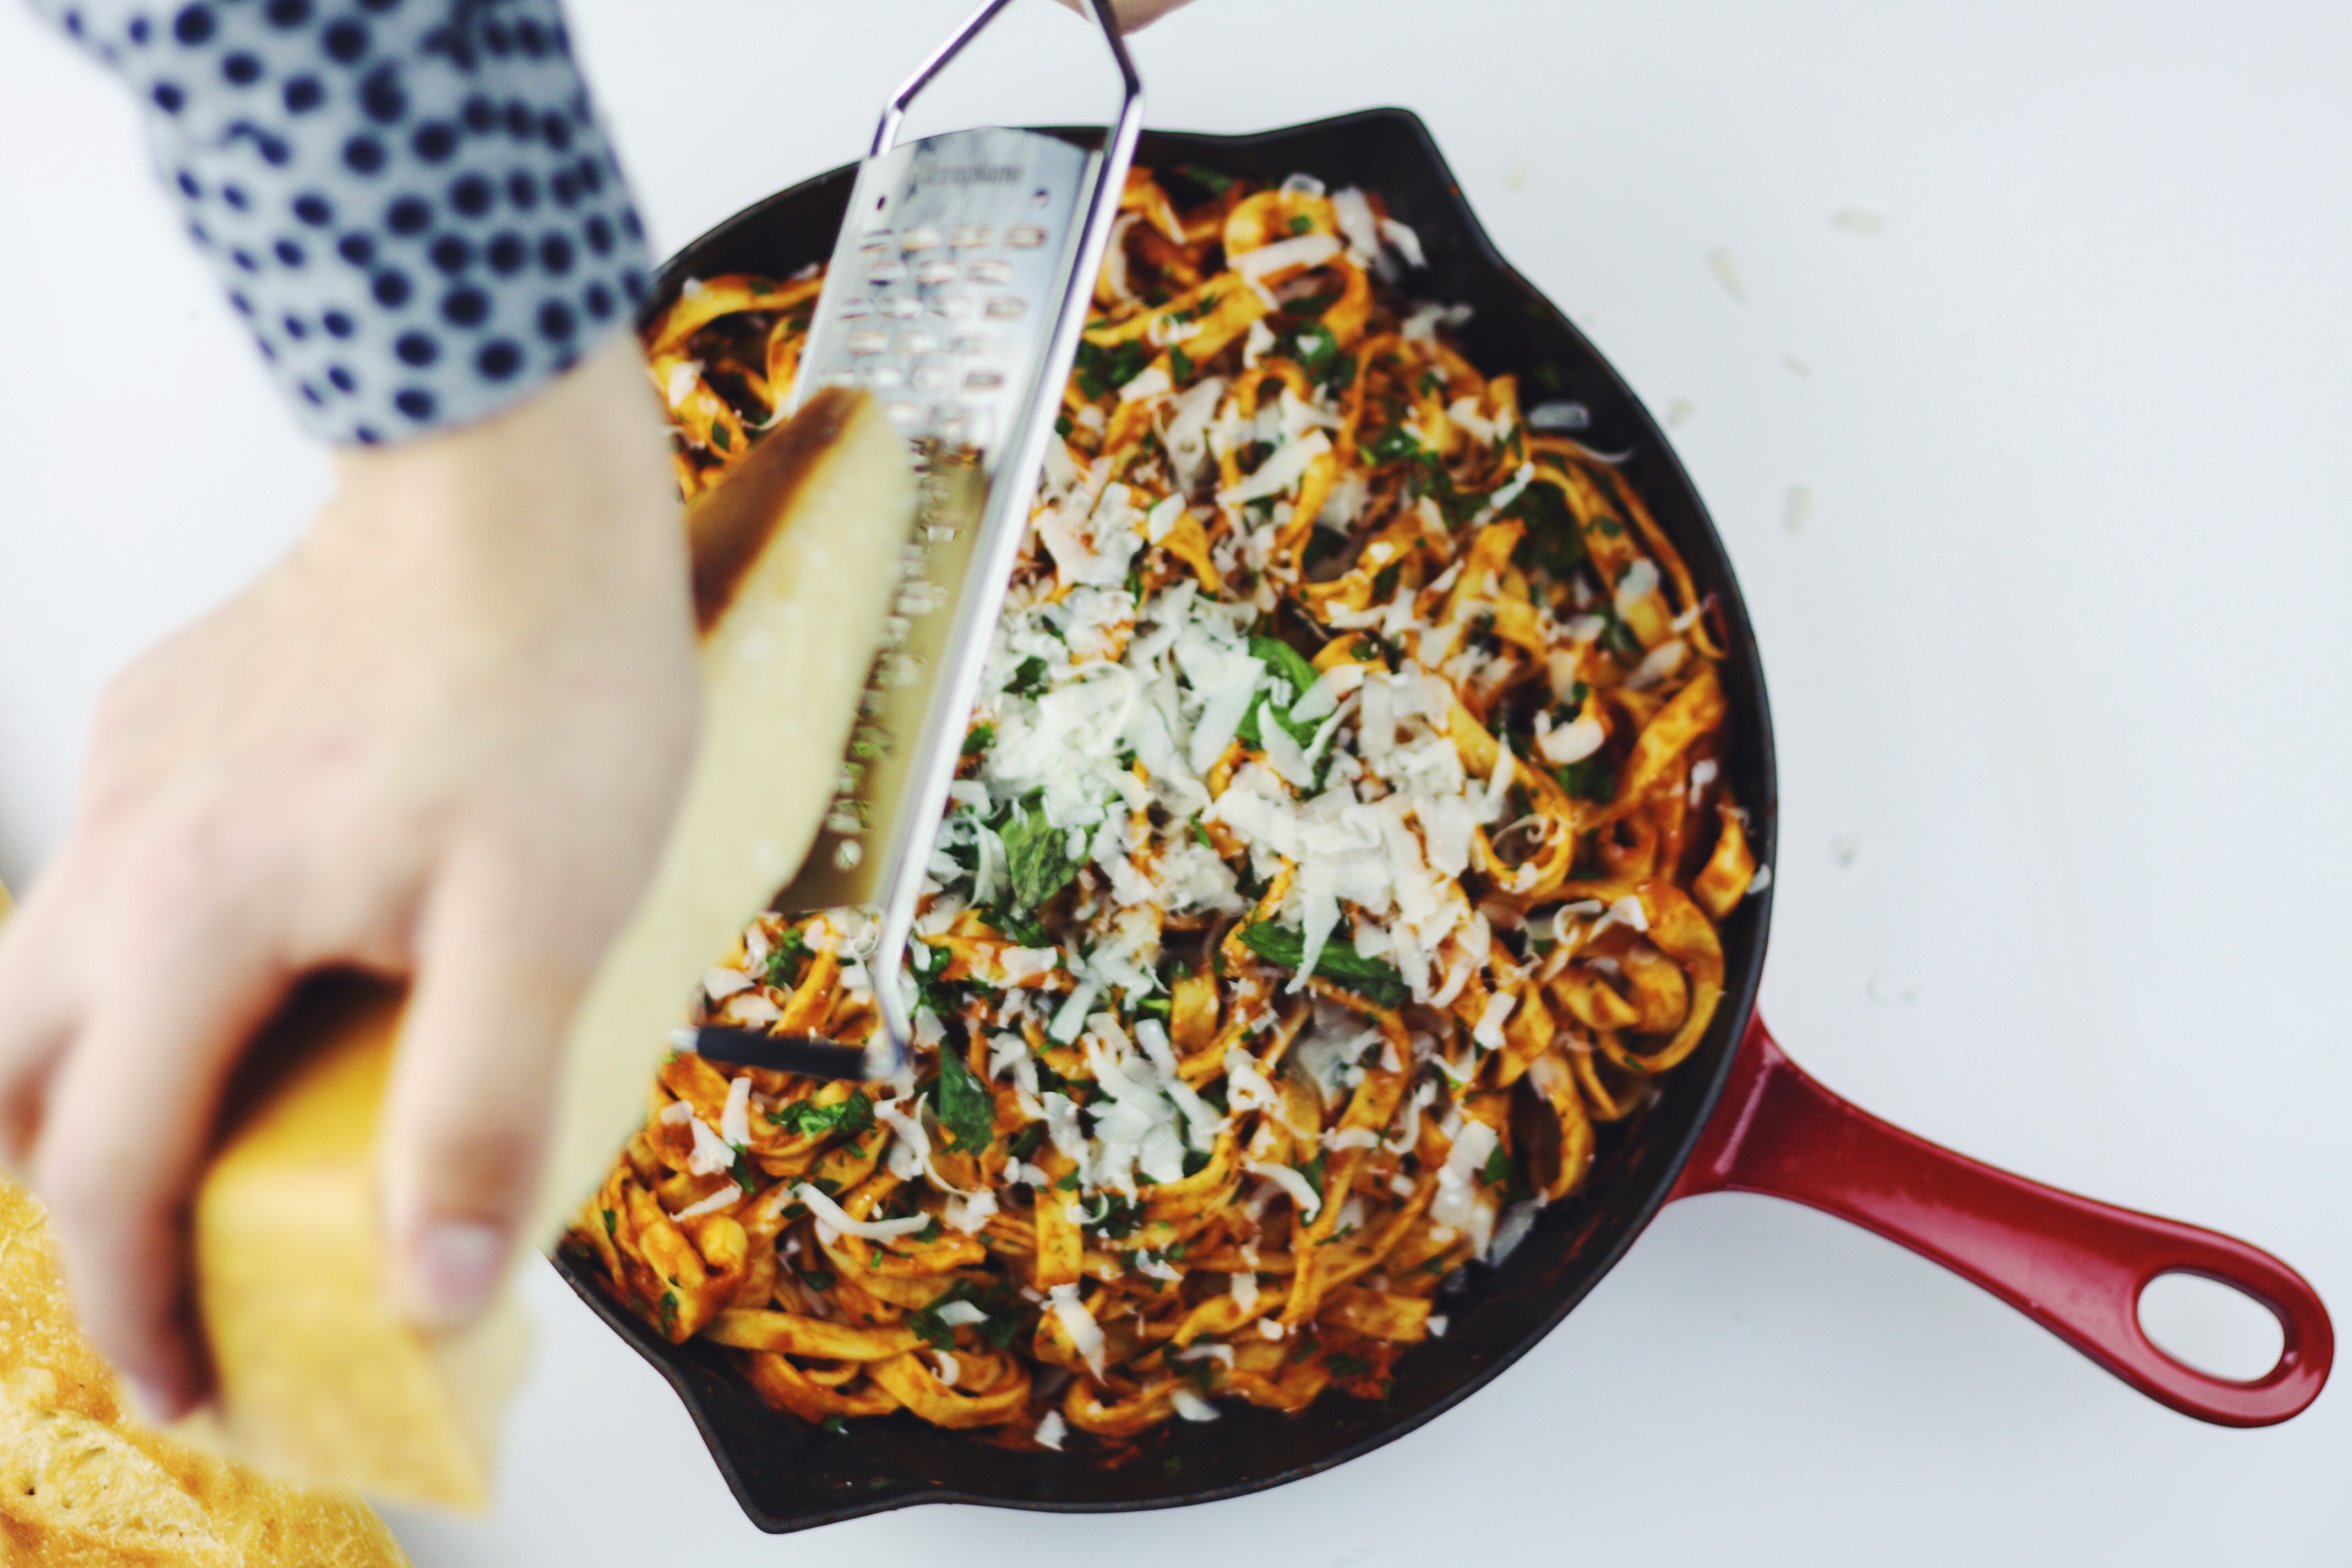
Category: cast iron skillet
<point>1735,1115</point>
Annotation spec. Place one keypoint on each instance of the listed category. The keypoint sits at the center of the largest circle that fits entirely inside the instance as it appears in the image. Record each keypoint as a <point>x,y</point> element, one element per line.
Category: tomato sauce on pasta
<point>1339,841</point>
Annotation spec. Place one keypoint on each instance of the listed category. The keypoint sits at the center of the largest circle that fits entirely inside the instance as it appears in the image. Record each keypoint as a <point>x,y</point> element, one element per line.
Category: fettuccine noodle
<point>1340,840</point>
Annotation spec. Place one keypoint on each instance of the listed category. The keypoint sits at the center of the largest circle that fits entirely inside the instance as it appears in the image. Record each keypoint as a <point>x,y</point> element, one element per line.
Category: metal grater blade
<point>956,295</point>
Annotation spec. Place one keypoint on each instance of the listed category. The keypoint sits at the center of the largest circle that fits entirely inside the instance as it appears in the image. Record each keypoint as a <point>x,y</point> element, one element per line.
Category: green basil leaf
<point>1375,981</point>
<point>964,1103</point>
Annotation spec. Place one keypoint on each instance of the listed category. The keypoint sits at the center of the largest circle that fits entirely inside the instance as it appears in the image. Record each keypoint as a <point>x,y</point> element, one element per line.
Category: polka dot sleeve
<point>409,202</point>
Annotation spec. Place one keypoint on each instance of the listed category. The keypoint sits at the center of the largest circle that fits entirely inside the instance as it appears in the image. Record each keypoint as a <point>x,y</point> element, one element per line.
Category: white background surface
<point>2058,660</point>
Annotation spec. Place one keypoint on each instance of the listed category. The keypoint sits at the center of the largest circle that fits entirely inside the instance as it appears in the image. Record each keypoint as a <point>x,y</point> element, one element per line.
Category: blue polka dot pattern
<point>410,204</point>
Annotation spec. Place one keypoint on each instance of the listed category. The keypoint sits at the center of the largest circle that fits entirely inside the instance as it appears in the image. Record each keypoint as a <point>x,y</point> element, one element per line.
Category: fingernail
<point>453,1272</point>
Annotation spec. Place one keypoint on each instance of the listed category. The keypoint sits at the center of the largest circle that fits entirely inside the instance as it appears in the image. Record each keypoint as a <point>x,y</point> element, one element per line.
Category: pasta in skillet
<point>1339,839</point>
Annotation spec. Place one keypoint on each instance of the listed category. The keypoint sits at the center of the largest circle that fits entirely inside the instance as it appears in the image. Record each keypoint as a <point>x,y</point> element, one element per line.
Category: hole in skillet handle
<point>2211,1327</point>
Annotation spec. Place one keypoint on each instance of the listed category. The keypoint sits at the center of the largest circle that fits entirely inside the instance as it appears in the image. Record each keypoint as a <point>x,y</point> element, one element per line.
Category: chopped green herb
<point>669,1312</point>
<point>819,1278</point>
<point>611,1220</point>
<point>807,1119</point>
<point>1594,778</point>
<point>1498,1167</point>
<point>1313,1171</point>
<point>1029,677</point>
<point>1218,185</point>
<point>963,1104</point>
<point>977,739</point>
<point>1200,832</point>
<point>1285,661</point>
<point>1062,426</point>
<point>1553,542</point>
<point>1375,981</point>
<point>1395,444</point>
<point>929,1329</point>
<point>1314,347</point>
<point>787,953</point>
<point>720,439</point>
<point>1037,858</point>
<point>1342,1364</point>
<point>1623,644</point>
<point>1173,1464</point>
<point>1102,370</point>
<point>1301,224</point>
<point>1180,364</point>
<point>1014,924</point>
<point>1026,1144</point>
<point>833,1423</point>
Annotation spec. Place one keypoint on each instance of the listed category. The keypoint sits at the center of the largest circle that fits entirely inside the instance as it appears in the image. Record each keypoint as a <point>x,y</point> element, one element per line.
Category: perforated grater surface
<point>956,293</point>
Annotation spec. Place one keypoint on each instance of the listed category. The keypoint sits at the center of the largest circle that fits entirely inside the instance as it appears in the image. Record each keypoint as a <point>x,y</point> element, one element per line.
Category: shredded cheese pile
<point>1340,837</point>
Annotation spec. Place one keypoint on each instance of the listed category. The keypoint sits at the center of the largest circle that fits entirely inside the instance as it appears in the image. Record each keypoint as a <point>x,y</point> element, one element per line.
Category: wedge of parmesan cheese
<point>794,558</point>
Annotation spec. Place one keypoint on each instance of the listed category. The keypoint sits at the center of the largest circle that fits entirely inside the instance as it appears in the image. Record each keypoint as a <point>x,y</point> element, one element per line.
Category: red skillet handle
<point>2073,1265</point>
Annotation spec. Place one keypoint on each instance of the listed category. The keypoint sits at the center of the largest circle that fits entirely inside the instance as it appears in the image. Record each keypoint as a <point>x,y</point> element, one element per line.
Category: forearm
<point>412,206</point>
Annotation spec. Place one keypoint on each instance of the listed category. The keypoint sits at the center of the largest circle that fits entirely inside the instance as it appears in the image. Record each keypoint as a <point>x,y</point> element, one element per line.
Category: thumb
<point>467,1118</point>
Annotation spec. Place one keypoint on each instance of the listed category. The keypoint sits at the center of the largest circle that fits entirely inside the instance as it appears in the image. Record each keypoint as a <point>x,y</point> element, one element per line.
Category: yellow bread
<point>82,1488</point>
<point>795,557</point>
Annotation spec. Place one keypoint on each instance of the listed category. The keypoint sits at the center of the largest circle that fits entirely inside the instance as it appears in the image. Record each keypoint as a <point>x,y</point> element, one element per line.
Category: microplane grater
<point>956,296</point>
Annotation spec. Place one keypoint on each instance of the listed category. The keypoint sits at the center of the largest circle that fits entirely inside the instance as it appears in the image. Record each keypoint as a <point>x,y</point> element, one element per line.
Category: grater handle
<point>894,113</point>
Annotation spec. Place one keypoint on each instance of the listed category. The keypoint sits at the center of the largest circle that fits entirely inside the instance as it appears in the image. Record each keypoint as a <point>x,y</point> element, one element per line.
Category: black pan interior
<point>789,1475</point>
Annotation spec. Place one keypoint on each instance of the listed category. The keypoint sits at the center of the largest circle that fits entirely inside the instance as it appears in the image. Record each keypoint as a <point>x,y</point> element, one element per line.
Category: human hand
<point>444,737</point>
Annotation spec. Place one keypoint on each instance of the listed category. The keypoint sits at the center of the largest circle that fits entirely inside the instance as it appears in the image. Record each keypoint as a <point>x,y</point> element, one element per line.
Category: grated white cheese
<point>1193,1407</point>
<point>1662,661</point>
<point>1051,1430</point>
<point>960,1314</point>
<point>1489,1033</point>
<point>1278,473</point>
<point>710,1155</point>
<point>1457,1179</point>
<point>735,1116</point>
<point>1257,344</point>
<point>1573,742</point>
<point>725,1197</point>
<point>1639,581</point>
<point>1625,912</point>
<point>1407,245</point>
<point>967,1212</point>
<point>721,983</point>
<point>1512,1229</point>
<point>1285,256</point>
<point>1162,517</point>
<point>1086,1334</point>
<point>1153,381</point>
<point>833,1222</point>
<point>1294,1185</point>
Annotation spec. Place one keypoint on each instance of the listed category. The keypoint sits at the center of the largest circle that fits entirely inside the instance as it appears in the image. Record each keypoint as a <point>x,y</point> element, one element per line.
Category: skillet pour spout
<point>1736,1115</point>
